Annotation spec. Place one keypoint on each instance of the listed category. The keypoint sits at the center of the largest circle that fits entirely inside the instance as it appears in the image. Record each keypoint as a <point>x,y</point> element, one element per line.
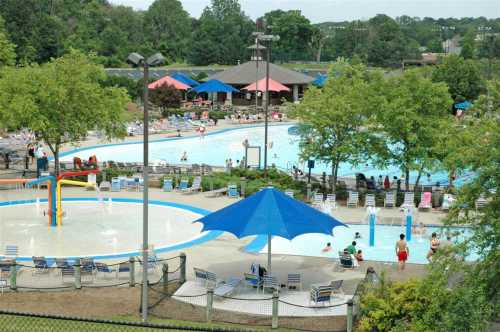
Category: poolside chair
<point>353,199</point>
<point>3,283</point>
<point>289,193</point>
<point>294,280</point>
<point>68,271</point>
<point>87,268</point>
<point>425,201</point>
<point>200,275</point>
<point>227,287</point>
<point>11,251</point>
<point>337,287</point>
<point>320,294</point>
<point>103,269</point>
<point>232,191</point>
<point>317,200</point>
<point>447,201</point>
<point>390,199</point>
<point>167,185</point>
<point>123,267</point>
<point>105,186</point>
<point>409,200</point>
<point>115,184</point>
<point>346,261</point>
<point>270,282</point>
<point>40,265</point>
<point>253,280</point>
<point>5,267</point>
<point>183,184</point>
<point>481,202</point>
<point>331,199</point>
<point>195,187</point>
<point>211,279</point>
<point>370,200</point>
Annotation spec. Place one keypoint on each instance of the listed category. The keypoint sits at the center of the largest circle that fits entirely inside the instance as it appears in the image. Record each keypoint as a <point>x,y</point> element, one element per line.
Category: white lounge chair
<point>216,192</point>
<point>353,199</point>
<point>409,200</point>
<point>447,201</point>
<point>227,287</point>
<point>390,199</point>
<point>270,282</point>
<point>195,187</point>
<point>294,280</point>
<point>289,193</point>
<point>481,202</point>
<point>370,200</point>
<point>317,200</point>
<point>331,199</point>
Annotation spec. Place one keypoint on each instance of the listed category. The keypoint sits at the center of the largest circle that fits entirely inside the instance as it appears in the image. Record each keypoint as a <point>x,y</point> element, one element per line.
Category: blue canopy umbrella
<point>213,86</point>
<point>269,212</point>
<point>185,79</point>
<point>320,80</point>
<point>464,105</point>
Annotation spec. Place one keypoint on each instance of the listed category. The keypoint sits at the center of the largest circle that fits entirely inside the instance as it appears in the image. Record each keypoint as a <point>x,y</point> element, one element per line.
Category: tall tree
<point>413,105</point>
<point>168,27</point>
<point>462,77</point>
<point>332,118</point>
<point>222,34</point>
<point>7,49</point>
<point>61,101</point>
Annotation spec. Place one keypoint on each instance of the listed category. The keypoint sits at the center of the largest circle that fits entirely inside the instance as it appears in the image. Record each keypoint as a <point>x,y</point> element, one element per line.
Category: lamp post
<point>269,39</point>
<point>138,60</point>
<point>257,34</point>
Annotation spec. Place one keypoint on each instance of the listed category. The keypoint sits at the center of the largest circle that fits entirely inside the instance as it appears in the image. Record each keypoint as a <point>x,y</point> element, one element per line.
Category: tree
<point>222,34</point>
<point>165,97</point>
<point>7,49</point>
<point>168,27</point>
<point>462,77</point>
<point>296,35</point>
<point>387,46</point>
<point>468,45</point>
<point>61,101</point>
<point>331,118</point>
<point>412,107</point>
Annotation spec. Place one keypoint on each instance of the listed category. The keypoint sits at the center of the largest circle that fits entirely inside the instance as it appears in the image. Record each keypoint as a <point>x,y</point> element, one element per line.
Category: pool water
<point>216,147</point>
<point>385,242</point>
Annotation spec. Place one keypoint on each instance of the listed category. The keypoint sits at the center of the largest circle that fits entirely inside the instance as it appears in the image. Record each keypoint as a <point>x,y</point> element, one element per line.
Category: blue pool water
<point>384,249</point>
<point>218,146</point>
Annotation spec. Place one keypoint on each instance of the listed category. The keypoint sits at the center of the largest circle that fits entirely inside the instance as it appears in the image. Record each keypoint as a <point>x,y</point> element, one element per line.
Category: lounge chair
<point>105,186</point>
<point>321,294</point>
<point>447,201</point>
<point>353,199</point>
<point>346,261</point>
<point>167,185</point>
<point>200,275</point>
<point>331,199</point>
<point>103,269</point>
<point>67,271</point>
<point>370,200</point>
<point>11,251</point>
<point>337,287</point>
<point>317,200</point>
<point>232,191</point>
<point>409,200</point>
<point>196,186</point>
<point>390,199</point>
<point>270,282</point>
<point>183,184</point>
<point>87,267</point>
<point>289,193</point>
<point>5,267</point>
<point>227,287</point>
<point>115,184</point>
<point>253,280</point>
<point>425,201</point>
<point>294,280</point>
<point>123,267</point>
<point>211,279</point>
<point>216,192</point>
<point>481,202</point>
<point>40,265</point>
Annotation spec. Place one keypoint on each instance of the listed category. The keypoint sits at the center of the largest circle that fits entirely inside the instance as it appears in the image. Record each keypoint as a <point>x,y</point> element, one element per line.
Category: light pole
<point>269,39</point>
<point>139,60</point>
<point>257,34</point>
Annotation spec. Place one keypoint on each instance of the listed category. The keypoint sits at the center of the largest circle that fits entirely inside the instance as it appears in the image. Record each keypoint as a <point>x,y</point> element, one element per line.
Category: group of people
<point>350,252</point>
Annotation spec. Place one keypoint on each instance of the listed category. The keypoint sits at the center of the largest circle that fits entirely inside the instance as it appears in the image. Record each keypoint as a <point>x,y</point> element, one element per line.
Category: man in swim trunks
<point>402,252</point>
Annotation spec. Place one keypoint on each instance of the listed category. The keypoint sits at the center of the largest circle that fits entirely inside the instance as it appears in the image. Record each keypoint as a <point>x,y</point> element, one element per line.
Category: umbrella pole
<point>269,237</point>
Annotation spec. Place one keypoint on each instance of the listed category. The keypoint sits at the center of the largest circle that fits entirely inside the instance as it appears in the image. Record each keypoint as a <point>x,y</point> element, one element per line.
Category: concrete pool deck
<point>225,255</point>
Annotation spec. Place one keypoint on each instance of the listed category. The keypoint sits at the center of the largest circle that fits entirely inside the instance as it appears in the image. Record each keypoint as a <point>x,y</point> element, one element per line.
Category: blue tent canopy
<point>184,79</point>
<point>464,105</point>
<point>270,212</point>
<point>320,80</point>
<point>214,86</point>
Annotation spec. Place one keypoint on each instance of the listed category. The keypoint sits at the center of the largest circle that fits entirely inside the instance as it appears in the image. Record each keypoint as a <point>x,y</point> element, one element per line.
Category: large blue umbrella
<point>185,79</point>
<point>269,212</point>
<point>213,86</point>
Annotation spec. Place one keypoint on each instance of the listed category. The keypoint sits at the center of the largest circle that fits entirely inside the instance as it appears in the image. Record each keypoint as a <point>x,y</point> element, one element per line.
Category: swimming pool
<point>220,145</point>
<point>384,249</point>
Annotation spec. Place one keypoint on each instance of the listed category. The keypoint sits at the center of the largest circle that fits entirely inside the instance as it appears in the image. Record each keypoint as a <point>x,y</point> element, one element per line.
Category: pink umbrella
<point>167,80</point>
<point>274,86</point>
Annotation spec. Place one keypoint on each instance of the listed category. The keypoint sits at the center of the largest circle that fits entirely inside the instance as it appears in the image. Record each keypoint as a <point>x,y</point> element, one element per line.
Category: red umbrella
<point>167,80</point>
<point>274,86</point>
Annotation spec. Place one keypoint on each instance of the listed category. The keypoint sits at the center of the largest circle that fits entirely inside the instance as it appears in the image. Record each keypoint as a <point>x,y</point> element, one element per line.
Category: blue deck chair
<point>40,265</point>
<point>115,184</point>
<point>183,184</point>
<point>253,280</point>
<point>167,185</point>
<point>232,191</point>
<point>321,294</point>
<point>122,268</point>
